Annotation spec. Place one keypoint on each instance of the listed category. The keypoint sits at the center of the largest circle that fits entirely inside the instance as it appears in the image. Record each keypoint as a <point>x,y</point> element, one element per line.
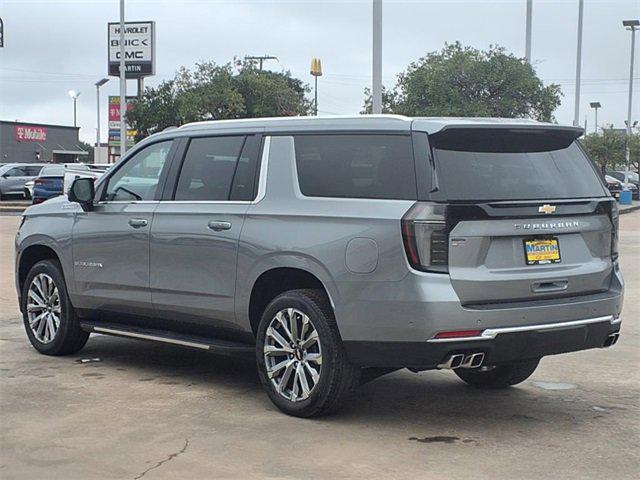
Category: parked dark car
<point>49,183</point>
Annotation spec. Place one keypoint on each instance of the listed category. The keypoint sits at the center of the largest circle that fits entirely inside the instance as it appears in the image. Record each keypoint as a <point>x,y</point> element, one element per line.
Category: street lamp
<point>73,94</point>
<point>316,71</point>
<point>633,26</point>
<point>98,84</point>
<point>595,106</point>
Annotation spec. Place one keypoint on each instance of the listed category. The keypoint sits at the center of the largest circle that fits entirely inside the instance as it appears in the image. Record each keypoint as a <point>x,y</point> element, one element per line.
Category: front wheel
<point>49,318</point>
<point>501,376</point>
<point>301,361</point>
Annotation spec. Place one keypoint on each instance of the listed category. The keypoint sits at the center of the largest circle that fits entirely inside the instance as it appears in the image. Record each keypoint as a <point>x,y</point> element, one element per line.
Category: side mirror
<point>82,191</point>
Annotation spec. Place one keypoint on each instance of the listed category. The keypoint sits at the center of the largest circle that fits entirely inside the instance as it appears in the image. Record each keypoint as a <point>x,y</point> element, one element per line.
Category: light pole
<point>98,84</point>
<point>595,106</point>
<point>316,71</point>
<point>376,87</point>
<point>633,26</point>
<point>576,112</point>
<point>527,48</point>
<point>73,94</point>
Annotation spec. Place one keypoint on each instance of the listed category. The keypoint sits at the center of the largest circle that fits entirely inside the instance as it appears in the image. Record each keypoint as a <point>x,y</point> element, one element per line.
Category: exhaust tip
<point>452,361</point>
<point>611,340</point>
<point>473,360</point>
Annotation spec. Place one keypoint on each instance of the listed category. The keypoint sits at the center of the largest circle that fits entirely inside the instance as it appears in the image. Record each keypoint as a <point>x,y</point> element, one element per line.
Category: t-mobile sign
<point>26,133</point>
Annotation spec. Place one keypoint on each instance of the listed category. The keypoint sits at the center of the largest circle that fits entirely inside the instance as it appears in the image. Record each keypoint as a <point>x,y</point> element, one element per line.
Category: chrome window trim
<point>121,202</point>
<point>492,333</point>
<point>264,166</point>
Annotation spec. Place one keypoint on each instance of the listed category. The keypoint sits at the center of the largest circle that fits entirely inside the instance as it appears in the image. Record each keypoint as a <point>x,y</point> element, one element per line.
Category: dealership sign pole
<point>123,86</point>
<point>131,55</point>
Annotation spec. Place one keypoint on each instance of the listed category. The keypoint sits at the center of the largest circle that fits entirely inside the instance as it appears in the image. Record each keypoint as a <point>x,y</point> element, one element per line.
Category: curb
<point>629,209</point>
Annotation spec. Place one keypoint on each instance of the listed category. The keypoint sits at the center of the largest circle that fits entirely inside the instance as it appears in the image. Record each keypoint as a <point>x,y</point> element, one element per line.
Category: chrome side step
<point>213,345</point>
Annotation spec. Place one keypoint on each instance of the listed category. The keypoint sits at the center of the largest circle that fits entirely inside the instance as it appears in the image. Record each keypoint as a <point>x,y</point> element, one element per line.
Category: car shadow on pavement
<point>436,399</point>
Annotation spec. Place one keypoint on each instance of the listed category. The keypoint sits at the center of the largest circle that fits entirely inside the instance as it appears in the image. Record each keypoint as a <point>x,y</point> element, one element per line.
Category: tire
<point>68,337</point>
<point>336,377</point>
<point>501,376</point>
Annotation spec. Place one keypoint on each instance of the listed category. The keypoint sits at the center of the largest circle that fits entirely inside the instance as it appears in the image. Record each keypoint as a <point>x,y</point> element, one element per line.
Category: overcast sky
<point>52,46</point>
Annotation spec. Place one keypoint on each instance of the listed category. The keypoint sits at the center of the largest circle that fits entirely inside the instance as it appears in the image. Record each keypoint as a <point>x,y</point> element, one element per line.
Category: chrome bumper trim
<point>491,333</point>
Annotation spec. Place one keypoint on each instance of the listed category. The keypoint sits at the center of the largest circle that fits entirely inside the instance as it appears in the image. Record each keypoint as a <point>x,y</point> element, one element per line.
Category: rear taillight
<point>426,237</point>
<point>38,181</point>
<point>614,230</point>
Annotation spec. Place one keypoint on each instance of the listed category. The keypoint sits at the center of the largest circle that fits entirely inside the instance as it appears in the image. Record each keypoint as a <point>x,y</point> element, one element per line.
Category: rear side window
<point>208,168</point>
<point>488,165</point>
<point>356,166</point>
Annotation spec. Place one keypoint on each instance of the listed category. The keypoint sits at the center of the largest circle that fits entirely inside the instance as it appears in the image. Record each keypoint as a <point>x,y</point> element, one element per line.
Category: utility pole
<point>260,59</point>
<point>527,48</point>
<point>376,88</point>
<point>123,86</point>
<point>576,112</point>
<point>633,26</point>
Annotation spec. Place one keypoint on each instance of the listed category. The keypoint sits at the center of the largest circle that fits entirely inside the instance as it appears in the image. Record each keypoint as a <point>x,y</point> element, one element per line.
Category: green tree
<point>607,148</point>
<point>87,148</point>
<point>464,81</point>
<point>215,92</point>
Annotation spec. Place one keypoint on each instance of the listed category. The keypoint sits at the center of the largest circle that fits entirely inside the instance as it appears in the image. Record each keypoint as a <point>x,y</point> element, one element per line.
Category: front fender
<point>52,229</point>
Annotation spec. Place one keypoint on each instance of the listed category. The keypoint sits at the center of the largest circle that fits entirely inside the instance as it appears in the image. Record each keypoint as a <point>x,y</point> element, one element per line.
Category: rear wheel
<point>301,361</point>
<point>501,376</point>
<point>49,318</point>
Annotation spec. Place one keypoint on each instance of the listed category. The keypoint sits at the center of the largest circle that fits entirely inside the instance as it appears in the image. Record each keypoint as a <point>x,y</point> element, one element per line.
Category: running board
<point>213,345</point>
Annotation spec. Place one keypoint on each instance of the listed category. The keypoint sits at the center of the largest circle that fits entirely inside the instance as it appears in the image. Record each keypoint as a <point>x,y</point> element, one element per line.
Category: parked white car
<point>81,170</point>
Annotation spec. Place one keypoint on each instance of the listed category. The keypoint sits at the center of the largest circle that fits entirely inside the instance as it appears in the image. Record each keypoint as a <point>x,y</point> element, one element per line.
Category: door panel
<point>194,248</point>
<point>111,242</point>
<point>111,256</point>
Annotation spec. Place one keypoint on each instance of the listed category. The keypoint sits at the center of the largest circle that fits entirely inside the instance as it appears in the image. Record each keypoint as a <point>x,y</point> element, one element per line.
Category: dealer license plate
<point>542,251</point>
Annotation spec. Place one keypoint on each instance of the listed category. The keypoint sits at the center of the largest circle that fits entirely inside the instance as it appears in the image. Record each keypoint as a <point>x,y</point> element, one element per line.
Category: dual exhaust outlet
<point>611,339</point>
<point>461,360</point>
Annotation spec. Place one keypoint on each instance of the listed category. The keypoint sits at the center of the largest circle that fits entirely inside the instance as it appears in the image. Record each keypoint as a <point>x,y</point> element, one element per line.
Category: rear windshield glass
<point>53,171</point>
<point>505,165</point>
<point>356,166</point>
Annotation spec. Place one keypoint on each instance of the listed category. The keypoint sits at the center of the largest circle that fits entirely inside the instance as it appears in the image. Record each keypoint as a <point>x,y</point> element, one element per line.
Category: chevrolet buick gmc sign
<point>139,49</point>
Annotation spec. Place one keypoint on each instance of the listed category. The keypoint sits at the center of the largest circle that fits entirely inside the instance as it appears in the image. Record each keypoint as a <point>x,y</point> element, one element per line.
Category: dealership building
<point>23,142</point>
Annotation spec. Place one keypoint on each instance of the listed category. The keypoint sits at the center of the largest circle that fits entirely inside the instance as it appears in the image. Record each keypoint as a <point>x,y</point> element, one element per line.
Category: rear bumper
<point>500,345</point>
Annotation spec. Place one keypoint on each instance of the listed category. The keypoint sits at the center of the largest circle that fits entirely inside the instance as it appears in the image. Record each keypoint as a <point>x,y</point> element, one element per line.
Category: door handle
<point>138,222</point>
<point>218,226</point>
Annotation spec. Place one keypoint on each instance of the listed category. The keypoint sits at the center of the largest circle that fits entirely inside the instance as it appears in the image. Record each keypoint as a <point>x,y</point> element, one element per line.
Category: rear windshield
<point>489,165</point>
<point>52,171</point>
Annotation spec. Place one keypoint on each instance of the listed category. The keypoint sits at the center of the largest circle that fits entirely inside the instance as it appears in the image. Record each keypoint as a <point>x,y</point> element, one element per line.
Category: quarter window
<point>138,178</point>
<point>209,167</point>
<point>356,166</point>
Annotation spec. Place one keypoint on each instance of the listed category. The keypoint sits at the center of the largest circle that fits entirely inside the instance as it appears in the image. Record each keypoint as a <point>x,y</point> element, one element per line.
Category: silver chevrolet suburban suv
<point>335,250</point>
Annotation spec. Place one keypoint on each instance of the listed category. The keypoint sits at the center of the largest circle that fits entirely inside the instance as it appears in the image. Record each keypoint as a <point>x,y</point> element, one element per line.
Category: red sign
<point>25,133</point>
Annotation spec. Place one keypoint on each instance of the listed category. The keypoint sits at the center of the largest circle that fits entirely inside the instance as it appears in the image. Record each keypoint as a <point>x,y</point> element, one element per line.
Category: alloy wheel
<point>43,308</point>
<point>293,354</point>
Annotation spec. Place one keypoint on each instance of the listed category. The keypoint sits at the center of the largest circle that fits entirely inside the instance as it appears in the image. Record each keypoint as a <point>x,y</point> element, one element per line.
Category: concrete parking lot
<point>125,409</point>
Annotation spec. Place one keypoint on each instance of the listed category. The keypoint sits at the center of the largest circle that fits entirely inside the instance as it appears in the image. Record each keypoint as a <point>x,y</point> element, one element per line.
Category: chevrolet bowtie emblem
<point>546,209</point>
